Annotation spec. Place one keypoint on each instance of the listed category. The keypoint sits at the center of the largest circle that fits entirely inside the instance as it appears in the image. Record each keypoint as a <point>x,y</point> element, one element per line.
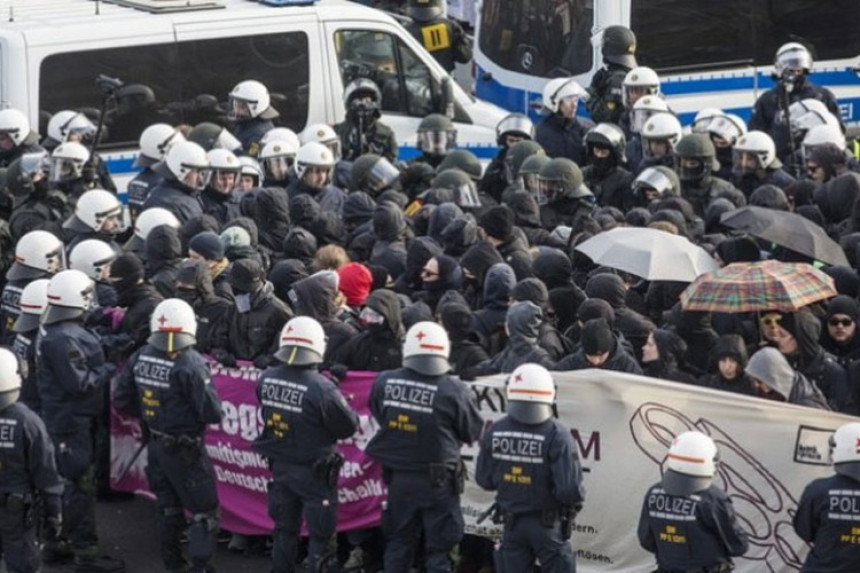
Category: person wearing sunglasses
<point>839,337</point>
<point>797,338</point>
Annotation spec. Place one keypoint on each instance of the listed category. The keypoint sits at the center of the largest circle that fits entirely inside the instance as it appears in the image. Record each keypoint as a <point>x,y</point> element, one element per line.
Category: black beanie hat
<point>596,337</point>
<point>498,222</point>
<point>596,308</point>
<point>208,245</point>
<point>246,275</point>
<point>127,266</point>
<point>843,304</point>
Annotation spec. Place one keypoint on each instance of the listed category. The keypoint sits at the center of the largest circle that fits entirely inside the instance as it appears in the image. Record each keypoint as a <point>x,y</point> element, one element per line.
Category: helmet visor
<point>63,169</point>
<point>467,196</point>
<point>531,183</point>
<point>334,147</point>
<point>436,142</point>
<point>37,162</point>
<point>745,162</point>
<point>549,189</point>
<point>638,117</point>
<point>652,178</point>
<point>278,168</point>
<point>227,140</point>
<point>196,177</point>
<point>382,175</point>
<point>239,109</point>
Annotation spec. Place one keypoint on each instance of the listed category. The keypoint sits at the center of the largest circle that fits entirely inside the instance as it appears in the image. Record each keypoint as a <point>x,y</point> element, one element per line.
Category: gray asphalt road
<point>128,530</point>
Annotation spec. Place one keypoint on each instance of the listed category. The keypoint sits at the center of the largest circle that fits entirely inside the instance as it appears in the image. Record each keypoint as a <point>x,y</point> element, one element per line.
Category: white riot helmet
<point>637,83</point>
<point>792,56</point>
<point>728,127</point>
<point>173,326</point>
<point>10,378</point>
<point>803,106</point>
<point>281,134</point>
<point>844,452</point>
<point>184,160</point>
<point>690,464</point>
<point>38,253</point>
<point>302,342</point>
<point>644,109</point>
<point>92,210</point>
<point>69,122</point>
<point>426,349</point>
<point>33,301</point>
<point>661,127</point>
<point>703,119</point>
<point>559,89</point>
<point>250,167</point>
<point>277,158</point>
<point>759,145</point>
<point>313,155</point>
<point>531,394</point>
<point>801,124</point>
<point>155,141</point>
<point>322,133</point>
<point>515,124</point>
<point>93,258</point>
<point>820,135</point>
<point>152,218</point>
<point>249,99</point>
<point>70,294</point>
<point>67,162</point>
<point>223,162</point>
<point>15,125</point>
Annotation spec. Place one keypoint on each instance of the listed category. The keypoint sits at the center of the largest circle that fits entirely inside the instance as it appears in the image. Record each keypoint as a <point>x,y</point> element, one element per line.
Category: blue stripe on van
<point>765,82</point>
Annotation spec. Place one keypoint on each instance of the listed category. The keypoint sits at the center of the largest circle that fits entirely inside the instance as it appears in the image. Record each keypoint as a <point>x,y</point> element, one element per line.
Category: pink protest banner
<point>242,474</point>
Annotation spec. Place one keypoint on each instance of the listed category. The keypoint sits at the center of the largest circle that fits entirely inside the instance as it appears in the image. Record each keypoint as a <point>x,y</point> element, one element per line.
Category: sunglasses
<point>846,322</point>
<point>771,320</point>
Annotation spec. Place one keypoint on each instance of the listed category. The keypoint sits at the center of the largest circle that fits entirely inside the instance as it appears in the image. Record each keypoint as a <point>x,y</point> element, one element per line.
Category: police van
<point>708,54</point>
<point>176,61</point>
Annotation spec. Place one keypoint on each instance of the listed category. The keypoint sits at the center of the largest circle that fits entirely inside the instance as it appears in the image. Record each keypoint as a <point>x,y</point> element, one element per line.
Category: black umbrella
<point>787,230</point>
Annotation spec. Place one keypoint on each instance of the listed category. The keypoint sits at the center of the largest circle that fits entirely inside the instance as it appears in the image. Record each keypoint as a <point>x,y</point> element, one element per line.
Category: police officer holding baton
<point>304,415</point>
<point>529,458</point>
<point>167,385</point>
<point>425,415</point>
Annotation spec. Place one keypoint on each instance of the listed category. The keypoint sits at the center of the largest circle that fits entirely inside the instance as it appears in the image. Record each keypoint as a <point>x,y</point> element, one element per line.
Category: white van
<point>708,54</point>
<point>178,60</point>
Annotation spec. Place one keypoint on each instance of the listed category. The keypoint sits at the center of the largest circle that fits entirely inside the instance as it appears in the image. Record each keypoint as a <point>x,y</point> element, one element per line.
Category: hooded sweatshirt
<point>378,347</point>
<point>315,297</point>
<point>163,257</point>
<point>490,320</point>
<point>420,251</point>
<point>770,367</point>
<point>209,308</point>
<point>389,228</point>
<point>844,352</point>
<point>729,346</point>
<point>632,325</point>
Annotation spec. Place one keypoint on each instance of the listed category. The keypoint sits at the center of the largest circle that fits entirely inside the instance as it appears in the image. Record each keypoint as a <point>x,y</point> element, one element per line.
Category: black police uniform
<point>330,198</point>
<point>304,415</point>
<point>562,137</point>
<point>444,39</point>
<point>72,374</point>
<point>173,396</point>
<point>828,518</point>
<point>24,347</point>
<point>28,469</point>
<point>10,308</point>
<point>250,132</point>
<point>423,422</point>
<point>179,199</point>
<point>605,103</point>
<point>223,206</point>
<point>535,470</point>
<point>139,188</point>
<point>697,532</point>
<point>377,138</point>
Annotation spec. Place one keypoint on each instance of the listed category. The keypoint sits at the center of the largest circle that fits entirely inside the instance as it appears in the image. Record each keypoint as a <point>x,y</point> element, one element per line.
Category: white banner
<point>623,425</point>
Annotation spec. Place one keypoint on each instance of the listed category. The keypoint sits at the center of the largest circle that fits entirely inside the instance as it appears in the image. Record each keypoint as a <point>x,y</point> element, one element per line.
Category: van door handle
<point>487,76</point>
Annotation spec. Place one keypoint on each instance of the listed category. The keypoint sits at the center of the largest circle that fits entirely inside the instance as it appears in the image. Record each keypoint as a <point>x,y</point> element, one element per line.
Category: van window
<point>406,83</point>
<point>547,38</point>
<point>682,33</point>
<point>185,82</point>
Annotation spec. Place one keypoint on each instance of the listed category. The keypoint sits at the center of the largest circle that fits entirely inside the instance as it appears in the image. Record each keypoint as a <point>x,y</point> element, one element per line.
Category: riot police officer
<point>167,385</point>
<point>817,523</point>
<point>304,415</point>
<point>252,114</point>
<point>219,199</point>
<point>443,37</point>
<point>695,160</point>
<point>35,206</point>
<point>605,175</point>
<point>619,57</point>
<point>72,374</point>
<point>538,495</point>
<point>562,196</point>
<point>154,143</point>
<point>686,521</point>
<point>314,166</point>
<point>512,129</point>
<point>29,470</point>
<point>16,137</point>
<point>34,299</point>
<point>561,132</point>
<point>98,215</point>
<point>185,170</point>
<point>755,164</point>
<point>362,132</point>
<point>425,415</point>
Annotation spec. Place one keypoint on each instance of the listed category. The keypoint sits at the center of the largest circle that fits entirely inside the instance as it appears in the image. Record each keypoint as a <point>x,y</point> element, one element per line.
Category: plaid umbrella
<point>754,287</point>
<point>648,253</point>
<point>788,230</point>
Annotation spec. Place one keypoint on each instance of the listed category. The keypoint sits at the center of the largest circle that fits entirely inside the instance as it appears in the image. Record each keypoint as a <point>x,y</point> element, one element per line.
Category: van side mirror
<point>446,98</point>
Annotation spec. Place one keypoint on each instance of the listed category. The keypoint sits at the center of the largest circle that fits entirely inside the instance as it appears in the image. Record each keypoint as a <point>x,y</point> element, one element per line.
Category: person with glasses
<point>839,338</point>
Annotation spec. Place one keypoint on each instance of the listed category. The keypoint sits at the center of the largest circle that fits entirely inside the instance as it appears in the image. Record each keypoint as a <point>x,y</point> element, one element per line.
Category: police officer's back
<point>29,470</point>
<point>304,415</point>
<point>686,521</point>
<point>34,299</point>
<point>827,514</point>
<point>443,37</point>
<point>530,460</point>
<point>605,103</point>
<point>167,385</point>
<point>72,375</point>
<point>425,415</point>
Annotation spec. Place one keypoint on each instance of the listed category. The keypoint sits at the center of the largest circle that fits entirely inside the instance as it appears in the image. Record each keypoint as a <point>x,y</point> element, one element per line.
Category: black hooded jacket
<point>314,297</point>
<point>695,329</point>
<point>389,228</point>
<point>441,216</point>
<point>209,308</point>
<point>223,206</point>
<point>163,257</point>
<point>629,323</point>
<point>619,360</point>
<point>669,365</point>
<point>729,346</point>
<point>420,251</point>
<point>378,347</point>
<point>490,320</point>
<point>847,352</point>
<point>273,217</point>
<point>139,301</point>
<point>527,218</point>
<point>466,349</point>
<point>248,335</point>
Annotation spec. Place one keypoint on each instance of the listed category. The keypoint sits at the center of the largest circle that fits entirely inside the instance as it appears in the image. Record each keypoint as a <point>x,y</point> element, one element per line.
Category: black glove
<point>225,358</point>
<point>263,361</point>
<point>106,372</point>
<point>52,516</point>
<point>338,372</point>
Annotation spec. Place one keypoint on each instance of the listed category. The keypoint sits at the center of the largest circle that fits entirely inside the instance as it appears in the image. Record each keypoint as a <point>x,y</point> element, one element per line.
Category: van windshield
<point>547,38</point>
